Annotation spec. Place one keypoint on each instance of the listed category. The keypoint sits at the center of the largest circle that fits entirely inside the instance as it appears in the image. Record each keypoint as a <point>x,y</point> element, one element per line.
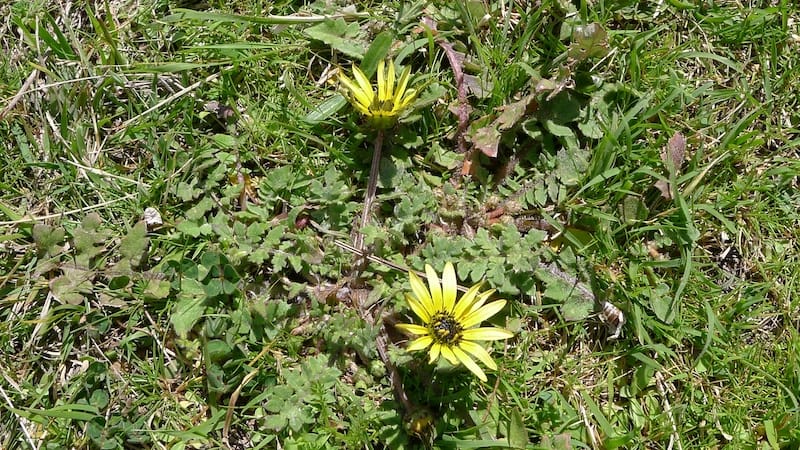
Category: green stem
<point>372,187</point>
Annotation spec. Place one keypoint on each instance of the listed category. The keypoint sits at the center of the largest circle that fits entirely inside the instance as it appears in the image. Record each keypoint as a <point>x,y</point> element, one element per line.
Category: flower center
<point>385,106</point>
<point>445,329</point>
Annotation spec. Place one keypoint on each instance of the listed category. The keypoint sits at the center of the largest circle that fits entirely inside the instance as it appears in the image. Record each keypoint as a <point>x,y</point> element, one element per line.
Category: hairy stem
<point>372,186</point>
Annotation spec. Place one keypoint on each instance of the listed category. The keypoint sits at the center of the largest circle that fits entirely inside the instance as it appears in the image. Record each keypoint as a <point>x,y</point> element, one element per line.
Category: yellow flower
<point>448,326</point>
<point>382,106</point>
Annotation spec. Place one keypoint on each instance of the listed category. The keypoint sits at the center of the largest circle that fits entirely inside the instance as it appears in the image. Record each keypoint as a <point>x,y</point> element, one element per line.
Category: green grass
<point>244,322</point>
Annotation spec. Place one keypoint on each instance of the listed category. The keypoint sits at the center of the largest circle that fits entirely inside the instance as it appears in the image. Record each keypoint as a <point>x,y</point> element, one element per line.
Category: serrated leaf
<point>133,247</point>
<point>73,286</point>
<point>189,227</point>
<point>591,128</point>
<point>513,113</point>
<point>48,239</point>
<point>275,422</point>
<point>198,211</point>
<point>87,239</point>
<point>186,191</point>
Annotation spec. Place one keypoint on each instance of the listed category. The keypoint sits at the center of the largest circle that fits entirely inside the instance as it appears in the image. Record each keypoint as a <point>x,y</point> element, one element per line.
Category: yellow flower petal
<point>387,95</point>
<point>469,363</point>
<point>465,302</point>
<point>486,334</point>
<point>483,313</point>
<point>410,96</point>
<point>476,305</point>
<point>381,82</point>
<point>421,293</point>
<point>359,99</point>
<point>479,352</point>
<point>420,343</point>
<point>448,354</point>
<point>401,96</point>
<point>382,105</point>
<point>364,85</point>
<point>413,329</point>
<point>434,352</point>
<point>435,288</point>
<point>449,287</point>
<point>419,308</point>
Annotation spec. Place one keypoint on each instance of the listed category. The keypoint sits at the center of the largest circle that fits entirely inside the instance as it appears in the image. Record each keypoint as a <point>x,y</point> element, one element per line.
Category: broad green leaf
<point>588,41</point>
<point>217,350</point>
<point>187,312</point>
<point>157,289</point>
<point>661,303</point>
<point>557,129</point>
<point>517,434</point>
<point>571,166</point>
<point>377,51</point>
<point>88,238</point>
<point>225,141</point>
<point>487,140</point>
<point>327,108</point>
<point>340,35</point>
<point>576,308</point>
<point>189,227</point>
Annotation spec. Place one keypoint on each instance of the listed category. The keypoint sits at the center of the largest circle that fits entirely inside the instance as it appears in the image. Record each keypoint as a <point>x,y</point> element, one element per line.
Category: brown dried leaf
<point>665,188</point>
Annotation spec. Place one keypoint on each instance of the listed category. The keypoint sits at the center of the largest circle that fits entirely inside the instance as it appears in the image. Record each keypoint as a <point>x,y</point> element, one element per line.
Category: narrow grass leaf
<point>714,57</point>
<point>599,417</point>
<point>184,14</point>
<point>72,411</point>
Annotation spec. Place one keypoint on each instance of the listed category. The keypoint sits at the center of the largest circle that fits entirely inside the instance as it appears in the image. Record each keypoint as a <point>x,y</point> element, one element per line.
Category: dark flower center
<point>381,106</point>
<point>445,329</point>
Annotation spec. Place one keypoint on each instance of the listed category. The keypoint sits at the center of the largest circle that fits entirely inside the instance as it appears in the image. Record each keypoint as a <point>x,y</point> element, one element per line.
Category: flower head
<point>449,327</point>
<point>384,105</point>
